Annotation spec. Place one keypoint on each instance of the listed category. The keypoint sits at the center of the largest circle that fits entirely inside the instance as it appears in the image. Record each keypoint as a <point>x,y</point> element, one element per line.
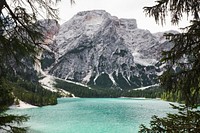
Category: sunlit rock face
<point>99,49</point>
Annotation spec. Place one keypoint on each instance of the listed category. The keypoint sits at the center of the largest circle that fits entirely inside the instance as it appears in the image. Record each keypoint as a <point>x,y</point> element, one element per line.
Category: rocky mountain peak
<point>99,49</point>
<point>50,27</point>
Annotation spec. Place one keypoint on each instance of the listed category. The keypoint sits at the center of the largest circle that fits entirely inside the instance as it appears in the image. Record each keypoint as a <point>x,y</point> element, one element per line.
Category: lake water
<point>94,115</point>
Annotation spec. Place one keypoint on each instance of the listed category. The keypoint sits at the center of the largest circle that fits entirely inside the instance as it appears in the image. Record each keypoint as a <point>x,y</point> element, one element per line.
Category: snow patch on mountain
<point>88,76</point>
<point>146,87</point>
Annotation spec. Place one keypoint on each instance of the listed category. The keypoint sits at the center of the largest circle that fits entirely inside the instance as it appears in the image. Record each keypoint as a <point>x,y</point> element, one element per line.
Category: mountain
<point>21,74</point>
<point>95,48</point>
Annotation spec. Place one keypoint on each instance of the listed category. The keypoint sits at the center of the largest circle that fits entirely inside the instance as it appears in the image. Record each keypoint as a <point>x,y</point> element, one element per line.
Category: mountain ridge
<point>96,48</point>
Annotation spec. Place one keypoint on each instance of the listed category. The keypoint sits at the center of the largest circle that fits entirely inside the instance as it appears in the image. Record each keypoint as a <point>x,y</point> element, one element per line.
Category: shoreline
<point>22,105</point>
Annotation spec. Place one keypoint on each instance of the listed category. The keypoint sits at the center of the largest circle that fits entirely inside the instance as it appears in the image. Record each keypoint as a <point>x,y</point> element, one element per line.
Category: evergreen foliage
<point>8,121</point>
<point>82,91</point>
<point>20,38</point>
<point>104,81</point>
<point>185,52</point>
<point>151,92</point>
<point>47,59</point>
<point>175,97</point>
<point>185,121</point>
<point>33,93</point>
<point>121,81</point>
<point>184,55</point>
<point>6,99</point>
<point>102,92</point>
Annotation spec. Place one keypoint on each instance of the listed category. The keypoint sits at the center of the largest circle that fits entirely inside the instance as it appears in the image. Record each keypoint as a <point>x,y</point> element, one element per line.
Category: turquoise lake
<point>94,115</point>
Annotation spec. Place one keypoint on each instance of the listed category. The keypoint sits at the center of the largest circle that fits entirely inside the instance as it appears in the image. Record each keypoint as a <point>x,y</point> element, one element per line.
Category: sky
<point>121,9</point>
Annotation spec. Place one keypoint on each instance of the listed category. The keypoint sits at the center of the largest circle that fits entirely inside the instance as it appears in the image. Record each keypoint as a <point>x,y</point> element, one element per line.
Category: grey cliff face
<point>96,48</point>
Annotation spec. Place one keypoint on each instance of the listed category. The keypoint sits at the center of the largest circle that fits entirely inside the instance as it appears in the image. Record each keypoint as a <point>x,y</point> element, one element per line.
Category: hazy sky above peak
<point>119,8</point>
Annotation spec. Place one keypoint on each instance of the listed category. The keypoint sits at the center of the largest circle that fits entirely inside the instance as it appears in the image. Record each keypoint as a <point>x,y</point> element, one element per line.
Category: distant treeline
<point>82,91</point>
<point>175,97</point>
<point>102,92</point>
<point>151,92</point>
<point>33,93</point>
<point>98,92</point>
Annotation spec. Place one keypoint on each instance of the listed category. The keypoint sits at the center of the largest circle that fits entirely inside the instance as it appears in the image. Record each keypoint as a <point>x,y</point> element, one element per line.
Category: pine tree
<point>185,54</point>
<point>20,38</point>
